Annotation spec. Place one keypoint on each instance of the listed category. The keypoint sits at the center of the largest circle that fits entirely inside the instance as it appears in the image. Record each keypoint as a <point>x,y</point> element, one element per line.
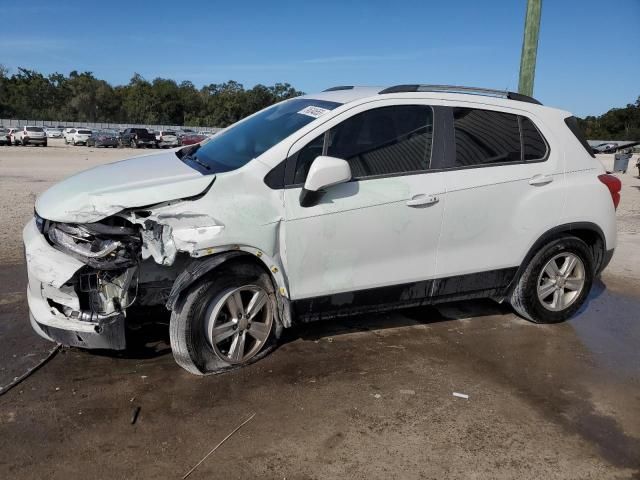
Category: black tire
<point>191,350</point>
<point>524,298</point>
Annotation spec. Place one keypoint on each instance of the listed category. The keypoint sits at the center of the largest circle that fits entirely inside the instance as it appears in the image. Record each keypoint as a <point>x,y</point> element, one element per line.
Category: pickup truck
<point>137,137</point>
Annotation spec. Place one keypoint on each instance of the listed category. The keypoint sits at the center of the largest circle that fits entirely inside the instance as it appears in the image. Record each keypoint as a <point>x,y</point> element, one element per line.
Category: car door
<point>505,188</point>
<point>380,230</point>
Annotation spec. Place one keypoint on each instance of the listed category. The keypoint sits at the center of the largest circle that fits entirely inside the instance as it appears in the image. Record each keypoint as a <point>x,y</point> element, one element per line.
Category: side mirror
<point>324,172</point>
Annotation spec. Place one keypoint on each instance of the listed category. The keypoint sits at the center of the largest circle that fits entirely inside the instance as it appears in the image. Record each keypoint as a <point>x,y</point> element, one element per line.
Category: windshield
<point>34,129</point>
<point>84,132</point>
<point>241,143</point>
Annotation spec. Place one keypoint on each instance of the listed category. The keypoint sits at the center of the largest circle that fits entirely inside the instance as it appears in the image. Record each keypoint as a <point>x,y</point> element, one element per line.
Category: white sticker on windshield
<point>313,111</point>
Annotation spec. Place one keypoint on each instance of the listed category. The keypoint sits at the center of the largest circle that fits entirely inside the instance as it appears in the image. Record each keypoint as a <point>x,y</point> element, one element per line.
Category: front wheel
<point>556,282</point>
<point>225,321</point>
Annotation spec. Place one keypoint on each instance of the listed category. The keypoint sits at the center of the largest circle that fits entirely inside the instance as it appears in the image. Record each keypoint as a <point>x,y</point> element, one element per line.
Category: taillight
<point>614,185</point>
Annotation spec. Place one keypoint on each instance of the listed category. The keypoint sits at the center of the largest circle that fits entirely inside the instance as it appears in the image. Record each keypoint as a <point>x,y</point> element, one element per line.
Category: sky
<point>588,55</point>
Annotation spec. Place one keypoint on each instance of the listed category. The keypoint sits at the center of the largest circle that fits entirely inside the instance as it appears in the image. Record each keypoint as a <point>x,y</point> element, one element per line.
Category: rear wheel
<point>225,321</point>
<point>556,282</point>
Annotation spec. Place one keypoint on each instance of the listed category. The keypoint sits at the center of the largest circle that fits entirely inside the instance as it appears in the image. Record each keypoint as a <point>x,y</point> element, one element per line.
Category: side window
<point>485,137</point>
<point>383,141</point>
<point>533,145</point>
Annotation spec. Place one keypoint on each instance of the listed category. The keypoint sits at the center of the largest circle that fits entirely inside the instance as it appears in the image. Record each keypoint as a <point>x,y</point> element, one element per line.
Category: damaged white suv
<point>355,199</point>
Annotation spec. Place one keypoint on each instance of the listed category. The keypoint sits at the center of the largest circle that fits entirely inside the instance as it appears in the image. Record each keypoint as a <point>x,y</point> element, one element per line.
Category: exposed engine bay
<point>119,269</point>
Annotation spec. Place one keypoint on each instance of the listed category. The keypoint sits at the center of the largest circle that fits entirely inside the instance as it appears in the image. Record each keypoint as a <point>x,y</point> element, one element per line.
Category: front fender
<point>198,267</point>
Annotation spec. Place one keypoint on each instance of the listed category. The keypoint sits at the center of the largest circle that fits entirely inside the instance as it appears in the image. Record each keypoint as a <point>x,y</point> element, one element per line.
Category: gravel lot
<point>368,397</point>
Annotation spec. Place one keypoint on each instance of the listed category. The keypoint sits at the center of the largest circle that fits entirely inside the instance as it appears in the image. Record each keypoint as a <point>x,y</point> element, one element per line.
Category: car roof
<point>348,94</point>
<point>344,94</point>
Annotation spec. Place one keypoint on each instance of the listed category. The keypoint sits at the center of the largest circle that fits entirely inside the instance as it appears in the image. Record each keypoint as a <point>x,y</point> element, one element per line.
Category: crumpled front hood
<point>102,191</point>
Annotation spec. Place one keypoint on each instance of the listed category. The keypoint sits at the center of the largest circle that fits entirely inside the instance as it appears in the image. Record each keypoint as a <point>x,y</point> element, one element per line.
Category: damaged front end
<point>83,277</point>
<point>108,245</point>
<point>89,309</point>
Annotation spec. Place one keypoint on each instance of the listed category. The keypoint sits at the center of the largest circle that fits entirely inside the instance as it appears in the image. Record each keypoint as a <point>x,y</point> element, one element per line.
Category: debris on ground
<point>461,395</point>
<point>216,447</point>
<point>4,389</point>
<point>134,415</point>
<point>407,392</point>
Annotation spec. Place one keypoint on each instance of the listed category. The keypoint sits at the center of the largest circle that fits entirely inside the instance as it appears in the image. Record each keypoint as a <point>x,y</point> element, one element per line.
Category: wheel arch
<point>201,267</point>
<point>588,232</point>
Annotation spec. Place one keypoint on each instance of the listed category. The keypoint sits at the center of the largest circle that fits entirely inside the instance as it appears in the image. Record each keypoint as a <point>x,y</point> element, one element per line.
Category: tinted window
<point>485,137</point>
<point>239,144</point>
<point>34,129</point>
<point>382,141</point>
<point>572,123</point>
<point>84,132</point>
<point>533,145</point>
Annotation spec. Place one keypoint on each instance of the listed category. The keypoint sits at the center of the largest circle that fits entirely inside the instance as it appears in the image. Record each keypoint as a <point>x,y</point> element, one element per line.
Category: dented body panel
<point>96,193</point>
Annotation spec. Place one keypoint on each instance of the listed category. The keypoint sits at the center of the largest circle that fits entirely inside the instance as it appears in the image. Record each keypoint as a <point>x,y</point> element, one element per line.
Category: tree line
<point>616,124</point>
<point>82,97</point>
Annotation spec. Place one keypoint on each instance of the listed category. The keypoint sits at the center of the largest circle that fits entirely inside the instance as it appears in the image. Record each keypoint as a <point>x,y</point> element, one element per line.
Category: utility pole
<point>529,47</point>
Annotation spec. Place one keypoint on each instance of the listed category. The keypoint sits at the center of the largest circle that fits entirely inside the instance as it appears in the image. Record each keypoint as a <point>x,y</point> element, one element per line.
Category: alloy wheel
<point>561,281</point>
<point>238,323</point>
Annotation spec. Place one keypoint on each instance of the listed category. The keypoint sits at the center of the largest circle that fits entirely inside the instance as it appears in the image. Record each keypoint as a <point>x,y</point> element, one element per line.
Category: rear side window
<point>382,141</point>
<point>572,123</point>
<point>485,137</point>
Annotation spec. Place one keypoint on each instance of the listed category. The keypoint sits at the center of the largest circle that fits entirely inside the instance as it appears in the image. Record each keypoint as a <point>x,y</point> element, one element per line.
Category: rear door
<point>379,230</point>
<point>505,188</point>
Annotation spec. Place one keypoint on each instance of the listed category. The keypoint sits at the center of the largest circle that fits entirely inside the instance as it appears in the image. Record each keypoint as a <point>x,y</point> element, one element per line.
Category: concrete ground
<point>368,397</point>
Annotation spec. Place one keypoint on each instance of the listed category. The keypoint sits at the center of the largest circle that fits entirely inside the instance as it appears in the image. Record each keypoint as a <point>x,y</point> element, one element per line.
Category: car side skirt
<point>489,284</point>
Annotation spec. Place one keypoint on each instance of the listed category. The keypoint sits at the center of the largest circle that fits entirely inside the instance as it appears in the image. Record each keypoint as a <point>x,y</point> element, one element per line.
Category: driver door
<point>380,230</point>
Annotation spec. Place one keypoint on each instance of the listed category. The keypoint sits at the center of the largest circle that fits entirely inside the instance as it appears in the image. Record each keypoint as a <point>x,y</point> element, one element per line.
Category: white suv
<point>76,136</point>
<point>356,199</point>
<point>30,135</point>
<point>166,139</point>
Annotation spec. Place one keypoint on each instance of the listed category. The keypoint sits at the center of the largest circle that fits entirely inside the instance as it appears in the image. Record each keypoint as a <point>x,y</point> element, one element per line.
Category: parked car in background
<point>137,138</point>
<point>77,136</point>
<point>184,132</point>
<point>30,135</point>
<point>5,136</point>
<point>53,132</point>
<point>103,138</point>
<point>167,139</point>
<point>192,139</point>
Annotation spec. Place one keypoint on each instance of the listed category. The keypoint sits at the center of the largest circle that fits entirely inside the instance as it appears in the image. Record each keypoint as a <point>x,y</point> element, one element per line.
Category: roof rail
<point>456,89</point>
<point>340,87</point>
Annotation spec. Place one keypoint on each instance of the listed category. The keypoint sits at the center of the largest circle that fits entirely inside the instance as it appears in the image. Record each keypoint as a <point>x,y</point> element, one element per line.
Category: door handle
<point>422,200</point>
<point>541,179</point>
